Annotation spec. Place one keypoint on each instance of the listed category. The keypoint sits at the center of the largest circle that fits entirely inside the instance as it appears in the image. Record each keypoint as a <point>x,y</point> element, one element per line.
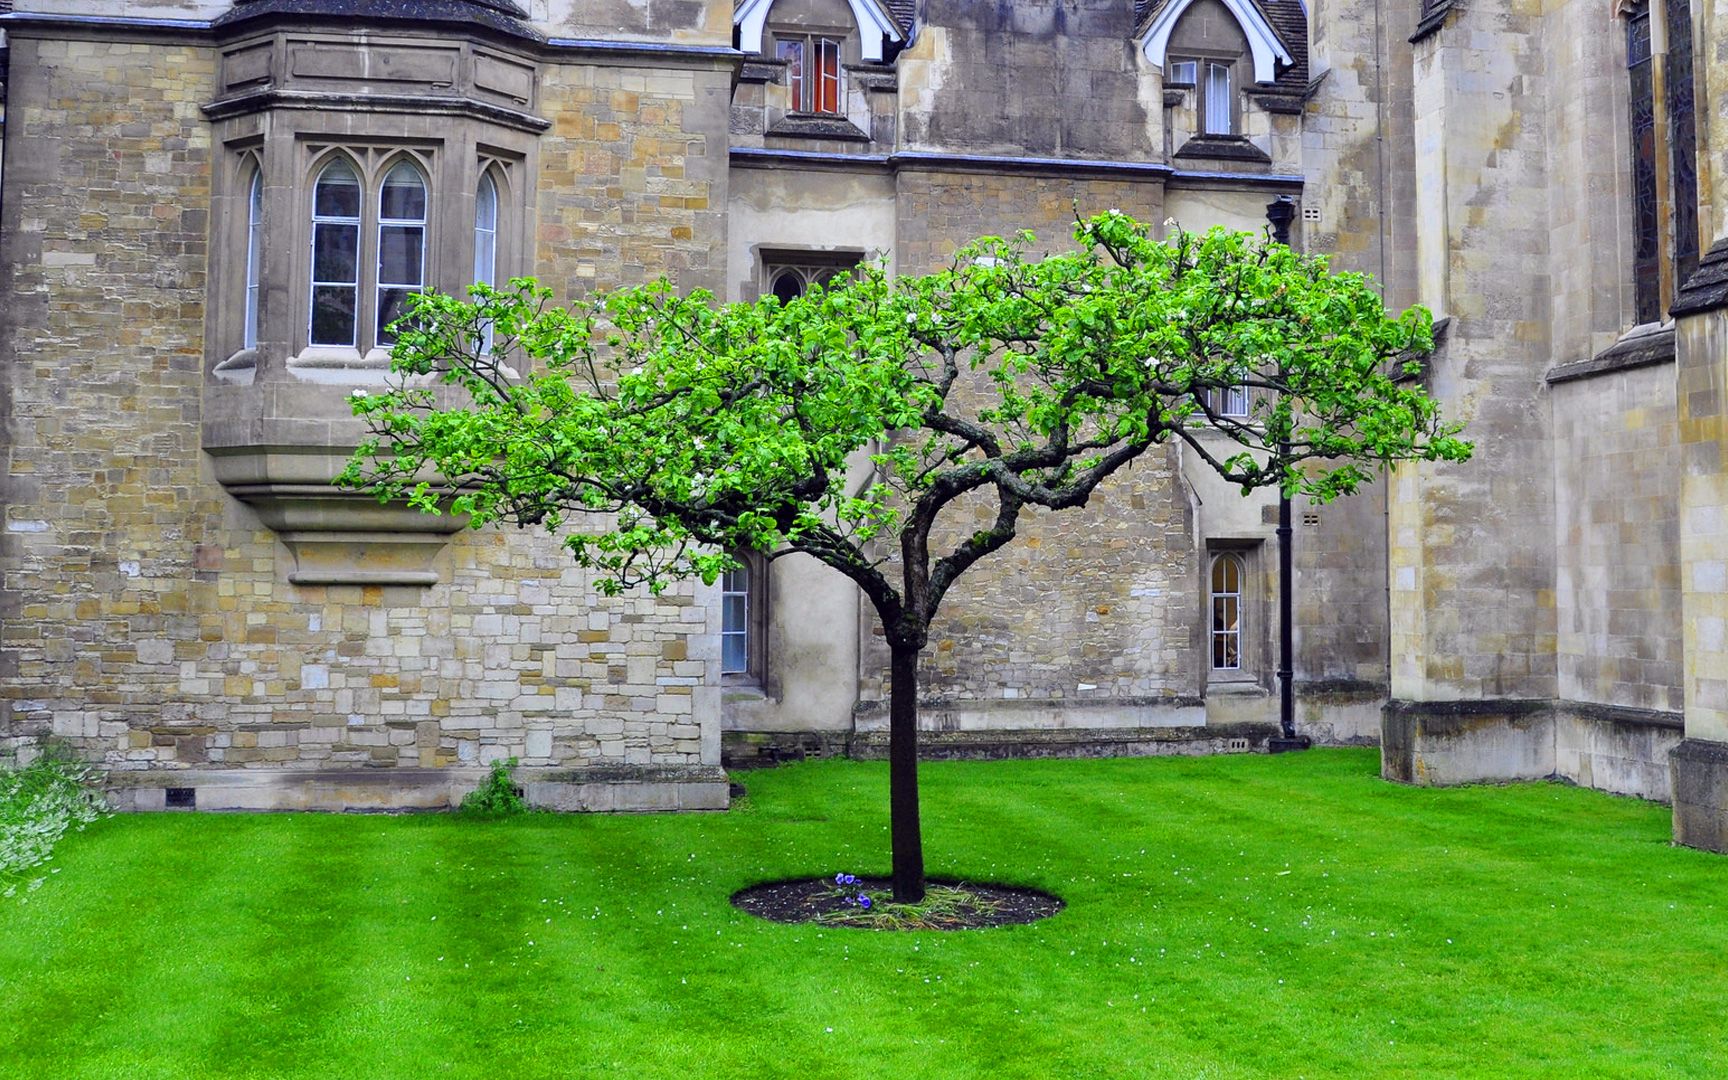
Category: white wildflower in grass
<point>39,803</point>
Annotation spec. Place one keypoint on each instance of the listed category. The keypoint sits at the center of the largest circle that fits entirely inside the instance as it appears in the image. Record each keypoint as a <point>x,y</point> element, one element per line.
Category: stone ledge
<point>1698,770</point>
<point>1440,743</point>
<point>1224,148</point>
<point>601,788</point>
<point>1084,743</point>
<point>1643,347</point>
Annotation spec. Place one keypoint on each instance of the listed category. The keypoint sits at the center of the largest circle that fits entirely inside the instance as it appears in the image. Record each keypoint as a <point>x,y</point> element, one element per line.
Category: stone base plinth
<point>602,788</point>
<point>1698,770</point>
<point>1096,743</point>
<point>1461,742</point>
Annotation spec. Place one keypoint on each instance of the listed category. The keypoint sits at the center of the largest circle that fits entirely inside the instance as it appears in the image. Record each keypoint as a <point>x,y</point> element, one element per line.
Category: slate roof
<point>902,10</point>
<point>1287,20</point>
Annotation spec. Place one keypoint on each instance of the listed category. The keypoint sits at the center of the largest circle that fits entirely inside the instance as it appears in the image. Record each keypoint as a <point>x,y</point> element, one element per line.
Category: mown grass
<point>1228,917</point>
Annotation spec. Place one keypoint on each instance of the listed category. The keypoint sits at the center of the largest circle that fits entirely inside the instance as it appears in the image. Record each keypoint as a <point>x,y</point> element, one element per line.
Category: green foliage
<point>654,432</point>
<point>497,795</point>
<point>39,803</point>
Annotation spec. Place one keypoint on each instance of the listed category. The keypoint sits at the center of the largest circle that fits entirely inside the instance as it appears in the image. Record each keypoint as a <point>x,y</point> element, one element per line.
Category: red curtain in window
<point>827,76</point>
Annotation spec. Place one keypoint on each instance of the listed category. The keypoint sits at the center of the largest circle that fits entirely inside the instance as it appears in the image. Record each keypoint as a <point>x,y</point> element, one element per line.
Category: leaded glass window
<point>1646,216</point>
<point>1682,137</point>
<point>335,255</point>
<point>401,244</point>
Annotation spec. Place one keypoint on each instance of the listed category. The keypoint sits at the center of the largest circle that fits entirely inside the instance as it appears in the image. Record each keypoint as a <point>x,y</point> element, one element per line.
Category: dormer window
<point>1211,80</point>
<point>812,71</point>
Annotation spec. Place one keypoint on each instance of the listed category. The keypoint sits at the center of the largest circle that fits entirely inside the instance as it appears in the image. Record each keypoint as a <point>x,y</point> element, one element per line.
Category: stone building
<point>211,209</point>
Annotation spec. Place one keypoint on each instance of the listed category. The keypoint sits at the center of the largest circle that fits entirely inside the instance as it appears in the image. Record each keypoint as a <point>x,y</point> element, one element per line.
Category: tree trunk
<point>904,831</point>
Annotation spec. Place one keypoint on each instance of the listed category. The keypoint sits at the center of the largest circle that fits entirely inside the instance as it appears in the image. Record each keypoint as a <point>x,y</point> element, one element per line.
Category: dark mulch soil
<point>809,900</point>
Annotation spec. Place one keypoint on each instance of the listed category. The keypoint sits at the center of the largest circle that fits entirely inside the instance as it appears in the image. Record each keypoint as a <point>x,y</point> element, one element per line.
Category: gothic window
<point>1226,632</point>
<point>335,255</point>
<point>788,275</point>
<point>486,231</point>
<point>1682,138</point>
<point>254,255</point>
<point>1646,221</point>
<point>1664,170</point>
<point>401,245</point>
<point>486,241</point>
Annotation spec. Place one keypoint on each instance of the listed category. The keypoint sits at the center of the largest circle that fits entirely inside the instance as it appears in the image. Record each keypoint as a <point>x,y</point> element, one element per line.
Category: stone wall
<point>633,176</point>
<point>1095,604</point>
<point>1617,539</point>
<point>149,617</point>
<point>1053,78</point>
<point>1471,547</point>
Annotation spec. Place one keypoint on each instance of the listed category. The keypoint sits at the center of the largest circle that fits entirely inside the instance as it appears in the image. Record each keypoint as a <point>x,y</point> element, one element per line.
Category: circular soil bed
<point>950,905</point>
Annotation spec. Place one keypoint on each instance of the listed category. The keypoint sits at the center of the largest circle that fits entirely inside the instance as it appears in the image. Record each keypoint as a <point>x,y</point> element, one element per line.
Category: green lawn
<point>1237,916</point>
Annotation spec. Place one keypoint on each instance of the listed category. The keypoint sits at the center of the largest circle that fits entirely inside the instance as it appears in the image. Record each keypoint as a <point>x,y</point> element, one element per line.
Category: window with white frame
<point>401,245</point>
<point>1226,617</point>
<point>336,222</point>
<point>371,224</point>
<point>486,231</point>
<point>812,71</point>
<point>254,255</point>
<point>744,620</point>
<point>1218,107</point>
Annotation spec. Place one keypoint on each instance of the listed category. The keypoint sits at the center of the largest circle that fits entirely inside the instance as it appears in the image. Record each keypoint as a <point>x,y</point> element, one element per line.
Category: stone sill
<point>1642,346</point>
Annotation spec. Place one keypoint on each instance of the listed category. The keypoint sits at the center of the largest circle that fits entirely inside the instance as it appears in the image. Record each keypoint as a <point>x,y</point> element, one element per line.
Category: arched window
<point>401,244</point>
<point>335,255</point>
<point>1227,578</point>
<point>791,274</point>
<point>1654,144</point>
<point>254,254</point>
<point>486,231</point>
<point>788,284</point>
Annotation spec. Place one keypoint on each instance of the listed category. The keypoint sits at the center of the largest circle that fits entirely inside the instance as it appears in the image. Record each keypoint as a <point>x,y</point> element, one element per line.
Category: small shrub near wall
<point>39,803</point>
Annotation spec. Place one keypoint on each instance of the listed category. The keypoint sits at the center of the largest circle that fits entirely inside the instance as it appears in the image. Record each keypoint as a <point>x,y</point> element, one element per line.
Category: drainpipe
<point>1280,212</point>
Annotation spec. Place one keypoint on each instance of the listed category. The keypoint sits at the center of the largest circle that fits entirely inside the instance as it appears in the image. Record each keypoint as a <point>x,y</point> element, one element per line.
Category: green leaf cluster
<point>657,432</point>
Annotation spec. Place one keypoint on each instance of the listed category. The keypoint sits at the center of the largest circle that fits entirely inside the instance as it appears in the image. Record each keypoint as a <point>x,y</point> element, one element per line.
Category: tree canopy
<point>659,433</point>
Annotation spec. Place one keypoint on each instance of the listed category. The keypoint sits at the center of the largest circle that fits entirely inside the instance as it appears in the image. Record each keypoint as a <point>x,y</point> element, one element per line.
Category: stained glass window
<point>1682,138</point>
<point>1646,219</point>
